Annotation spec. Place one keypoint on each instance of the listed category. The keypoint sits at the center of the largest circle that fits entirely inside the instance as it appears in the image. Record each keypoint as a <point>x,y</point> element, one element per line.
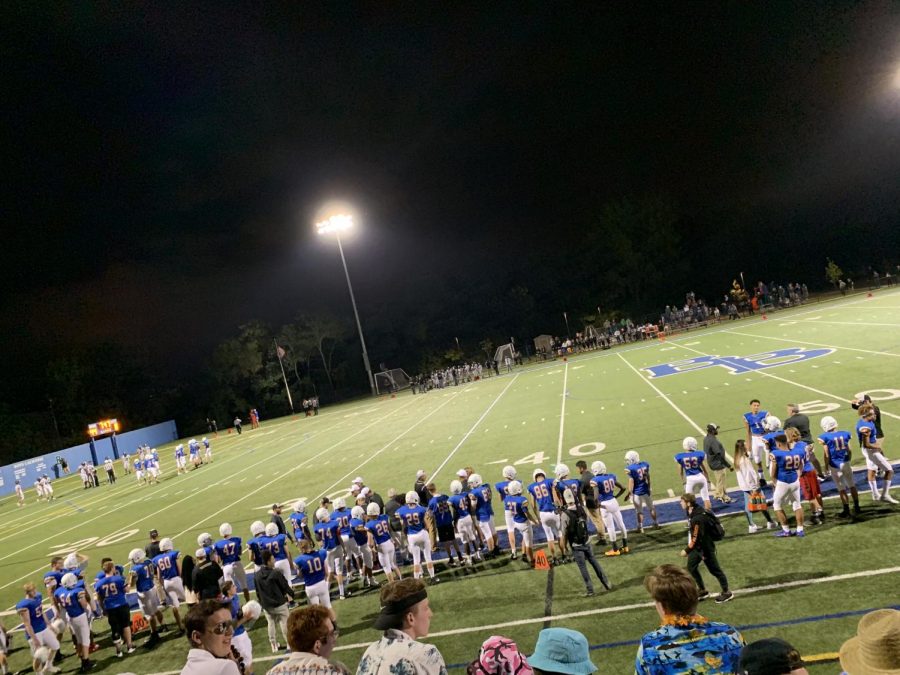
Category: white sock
<point>874,485</point>
<point>887,487</point>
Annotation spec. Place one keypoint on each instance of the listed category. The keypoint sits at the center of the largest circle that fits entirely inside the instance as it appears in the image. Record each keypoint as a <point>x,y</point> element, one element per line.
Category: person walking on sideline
<point>702,548</point>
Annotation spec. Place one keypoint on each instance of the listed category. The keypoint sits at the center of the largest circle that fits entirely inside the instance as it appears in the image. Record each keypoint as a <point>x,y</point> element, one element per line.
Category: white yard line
<point>562,415</point>
<point>814,344</point>
<point>388,445</point>
<point>474,426</point>
<point>796,384</point>
<point>664,397</point>
<point>298,466</point>
<point>848,323</point>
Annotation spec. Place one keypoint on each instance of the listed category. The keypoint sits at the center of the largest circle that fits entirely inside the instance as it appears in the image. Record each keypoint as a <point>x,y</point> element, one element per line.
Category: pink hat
<point>462,473</point>
<point>499,656</point>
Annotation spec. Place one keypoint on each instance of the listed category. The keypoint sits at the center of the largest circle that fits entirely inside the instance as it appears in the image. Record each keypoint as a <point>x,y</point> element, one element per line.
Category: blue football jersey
<point>838,444</point>
<point>312,566</point>
<point>517,505</point>
<point>143,573</point>
<point>255,550</point>
<point>342,518</point>
<point>35,612</point>
<point>755,420</point>
<point>298,522</point>
<point>358,532</point>
<point>379,528</point>
<point>440,509</point>
<point>413,518</point>
<point>640,474</point>
<point>605,483</point>
<point>460,504</point>
<point>167,565</point>
<point>329,534</point>
<point>542,491</point>
<point>68,598</point>
<point>234,604</point>
<point>482,495</point>
<point>111,591</point>
<point>276,544</point>
<point>788,464</point>
<point>691,462</point>
<point>229,550</point>
<point>860,434</point>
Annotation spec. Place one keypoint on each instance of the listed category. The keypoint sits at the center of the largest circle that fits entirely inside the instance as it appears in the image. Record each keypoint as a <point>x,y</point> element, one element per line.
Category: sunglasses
<point>336,633</point>
<point>222,628</point>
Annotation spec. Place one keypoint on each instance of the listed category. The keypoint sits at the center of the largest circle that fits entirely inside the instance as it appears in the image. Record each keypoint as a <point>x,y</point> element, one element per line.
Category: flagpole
<point>287,389</point>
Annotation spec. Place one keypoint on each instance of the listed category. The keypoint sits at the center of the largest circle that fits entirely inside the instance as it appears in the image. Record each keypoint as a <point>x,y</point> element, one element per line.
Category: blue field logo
<point>738,364</point>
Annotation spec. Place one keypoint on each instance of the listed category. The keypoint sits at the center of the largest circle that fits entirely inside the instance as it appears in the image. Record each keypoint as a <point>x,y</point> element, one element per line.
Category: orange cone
<point>540,561</point>
<point>765,318</point>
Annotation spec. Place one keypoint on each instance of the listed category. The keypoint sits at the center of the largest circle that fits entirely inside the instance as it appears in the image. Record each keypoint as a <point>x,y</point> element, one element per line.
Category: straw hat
<point>875,650</point>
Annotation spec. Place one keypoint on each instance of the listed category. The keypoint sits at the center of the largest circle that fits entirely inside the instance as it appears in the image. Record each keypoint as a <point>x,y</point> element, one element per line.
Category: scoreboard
<point>103,427</point>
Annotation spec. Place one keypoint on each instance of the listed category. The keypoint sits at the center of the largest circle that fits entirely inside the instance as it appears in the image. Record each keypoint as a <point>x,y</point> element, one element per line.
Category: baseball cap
<point>770,656</point>
<point>154,533</point>
<point>420,473</point>
<point>561,650</point>
<point>462,473</point>
<point>710,428</point>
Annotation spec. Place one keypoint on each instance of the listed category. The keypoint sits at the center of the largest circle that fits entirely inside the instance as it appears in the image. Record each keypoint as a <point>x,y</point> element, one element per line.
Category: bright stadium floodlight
<point>335,225</point>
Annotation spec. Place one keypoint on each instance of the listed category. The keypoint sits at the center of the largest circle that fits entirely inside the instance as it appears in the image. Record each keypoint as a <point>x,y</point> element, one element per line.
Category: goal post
<point>392,380</point>
<point>504,351</point>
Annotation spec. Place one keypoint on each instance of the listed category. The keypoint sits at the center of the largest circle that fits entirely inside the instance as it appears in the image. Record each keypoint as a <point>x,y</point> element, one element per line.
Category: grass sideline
<point>595,405</point>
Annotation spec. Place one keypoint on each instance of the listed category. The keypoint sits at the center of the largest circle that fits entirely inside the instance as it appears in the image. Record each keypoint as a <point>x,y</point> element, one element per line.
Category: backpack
<point>714,526</point>
<point>581,530</point>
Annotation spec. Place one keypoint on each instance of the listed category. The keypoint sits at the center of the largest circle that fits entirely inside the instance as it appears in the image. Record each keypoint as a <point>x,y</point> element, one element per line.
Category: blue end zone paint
<point>737,364</point>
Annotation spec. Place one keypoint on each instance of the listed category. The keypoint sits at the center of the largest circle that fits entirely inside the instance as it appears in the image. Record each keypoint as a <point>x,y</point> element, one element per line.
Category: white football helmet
<point>358,481</point>
<point>300,506</point>
<point>257,527</point>
<point>455,487</point>
<point>58,626</point>
<point>225,529</point>
<point>136,556</point>
<point>271,529</point>
<point>204,539</point>
<point>373,509</point>
<point>322,515</point>
<point>828,423</point>
<point>42,655</point>
<point>69,580</point>
<point>412,497</point>
<point>771,423</point>
<point>538,472</point>
<point>631,457</point>
<point>71,561</point>
<point>358,512</point>
<point>475,480</point>
<point>561,471</point>
<point>514,488</point>
<point>689,444</point>
<point>166,544</point>
<point>339,503</point>
<point>509,472</point>
<point>203,440</point>
<point>598,468</point>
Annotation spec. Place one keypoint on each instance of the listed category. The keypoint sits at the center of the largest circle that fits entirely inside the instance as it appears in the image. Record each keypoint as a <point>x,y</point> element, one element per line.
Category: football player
<point>837,458</point>
<point>692,466</point>
<point>809,477</point>
<point>206,543</point>
<point>867,434</point>
<point>207,452</point>
<point>753,425</point>
<point>313,566</point>
<point>36,629</point>
<point>639,488</point>
<point>541,491</point>
<point>328,532</point>
<point>168,571</point>
<point>141,578</point>
<point>180,459</point>
<point>276,542</point>
<point>20,494</point>
<point>562,482</point>
<point>509,474</point>
<point>342,516</point>
<point>254,551</point>
<point>480,498</point>
<point>111,591</point>
<point>228,549</point>
<point>380,539</point>
<point>440,519</point>
<point>785,466</point>
<point>71,596</point>
<point>360,537</point>
<point>604,485</point>
<point>462,519</point>
<point>523,518</point>
<point>412,514</point>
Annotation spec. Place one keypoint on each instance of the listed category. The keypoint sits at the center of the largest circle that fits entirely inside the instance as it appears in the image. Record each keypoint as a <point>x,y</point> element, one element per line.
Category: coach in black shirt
<point>797,420</point>
<point>590,501</point>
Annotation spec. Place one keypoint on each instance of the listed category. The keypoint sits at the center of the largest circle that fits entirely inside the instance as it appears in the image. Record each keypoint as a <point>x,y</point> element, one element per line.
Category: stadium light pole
<point>335,225</point>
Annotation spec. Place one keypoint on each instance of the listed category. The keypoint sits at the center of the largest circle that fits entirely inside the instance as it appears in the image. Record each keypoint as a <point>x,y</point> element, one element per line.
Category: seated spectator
<point>312,635</point>
<point>685,639</point>
<point>771,657</point>
<point>875,649</point>
<point>499,656</point>
<point>209,630</point>
<point>405,617</point>
<point>561,650</point>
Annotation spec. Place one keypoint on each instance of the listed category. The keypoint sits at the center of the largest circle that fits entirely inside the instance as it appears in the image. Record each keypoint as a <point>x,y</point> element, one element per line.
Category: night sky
<point>164,162</point>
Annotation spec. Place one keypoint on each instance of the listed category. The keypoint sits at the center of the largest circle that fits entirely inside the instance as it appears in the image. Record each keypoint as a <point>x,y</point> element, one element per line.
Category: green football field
<point>645,396</point>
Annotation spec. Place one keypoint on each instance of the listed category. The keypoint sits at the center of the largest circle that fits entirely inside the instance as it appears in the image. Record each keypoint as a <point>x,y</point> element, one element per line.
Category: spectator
<point>312,635</point>
<point>209,630</point>
<point>686,641</point>
<point>577,536</point>
<point>702,548</point>
<point>152,549</point>
<point>206,577</point>
<point>875,649</point>
<point>771,657</point>
<point>561,650</point>
<point>748,482</point>
<point>797,420</point>
<point>499,656</point>
<point>717,462</point>
<point>405,617</point>
<point>274,594</point>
